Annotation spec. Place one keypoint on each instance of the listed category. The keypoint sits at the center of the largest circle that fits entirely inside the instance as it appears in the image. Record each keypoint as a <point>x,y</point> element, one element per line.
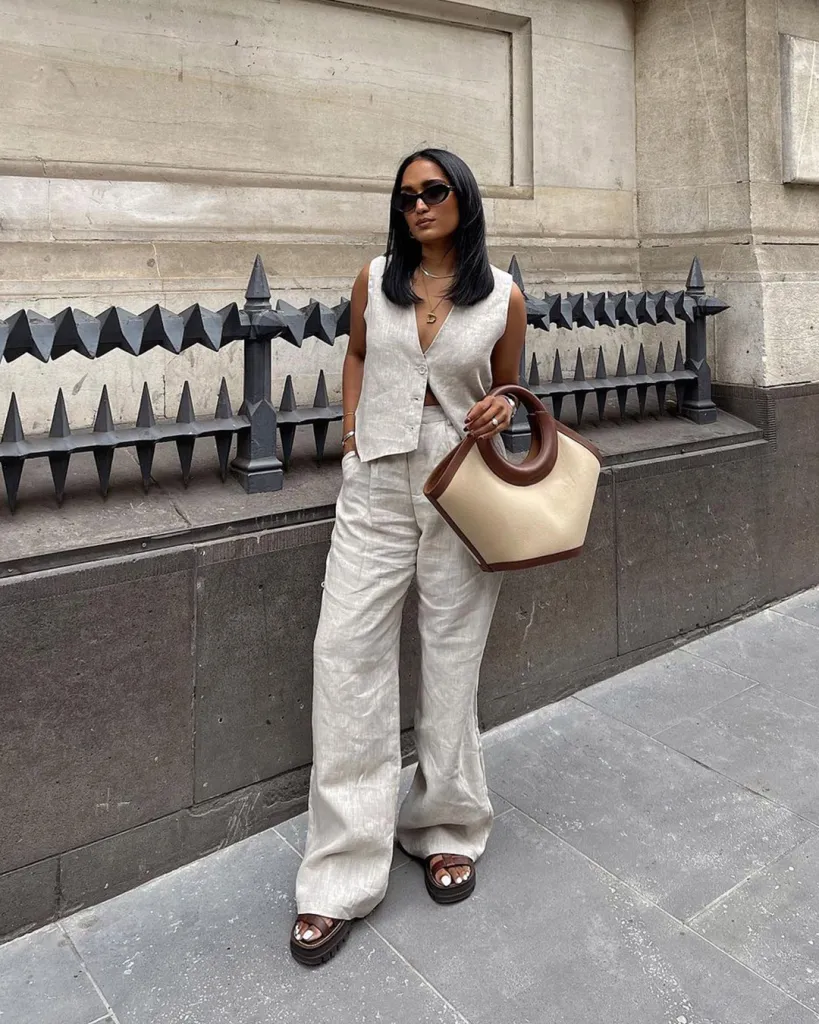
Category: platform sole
<point>323,951</point>
<point>450,893</point>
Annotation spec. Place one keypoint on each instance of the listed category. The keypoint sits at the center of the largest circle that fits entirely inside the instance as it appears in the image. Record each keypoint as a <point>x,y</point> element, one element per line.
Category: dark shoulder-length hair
<point>473,274</point>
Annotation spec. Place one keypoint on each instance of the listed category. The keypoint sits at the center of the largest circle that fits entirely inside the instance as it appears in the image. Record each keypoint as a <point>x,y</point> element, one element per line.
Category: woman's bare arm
<point>505,370</point>
<point>352,372</point>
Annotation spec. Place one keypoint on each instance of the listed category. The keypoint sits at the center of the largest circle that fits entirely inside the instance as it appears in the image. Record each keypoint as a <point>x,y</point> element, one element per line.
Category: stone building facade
<point>151,149</point>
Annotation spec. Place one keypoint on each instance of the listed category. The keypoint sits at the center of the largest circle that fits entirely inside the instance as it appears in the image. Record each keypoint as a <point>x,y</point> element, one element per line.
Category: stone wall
<point>152,151</point>
<point>727,151</point>
<point>153,148</point>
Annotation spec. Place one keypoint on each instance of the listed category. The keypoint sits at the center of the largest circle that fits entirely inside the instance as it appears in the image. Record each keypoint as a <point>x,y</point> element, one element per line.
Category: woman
<point>433,327</point>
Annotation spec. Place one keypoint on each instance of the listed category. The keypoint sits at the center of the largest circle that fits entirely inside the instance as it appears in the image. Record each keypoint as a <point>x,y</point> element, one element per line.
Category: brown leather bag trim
<point>521,474</point>
<point>481,562</point>
<point>441,477</point>
<point>542,454</point>
<point>534,404</point>
<point>540,460</point>
<point>530,563</point>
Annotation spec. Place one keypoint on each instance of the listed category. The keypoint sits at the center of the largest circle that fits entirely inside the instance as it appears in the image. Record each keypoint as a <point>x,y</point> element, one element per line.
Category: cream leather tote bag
<point>516,515</point>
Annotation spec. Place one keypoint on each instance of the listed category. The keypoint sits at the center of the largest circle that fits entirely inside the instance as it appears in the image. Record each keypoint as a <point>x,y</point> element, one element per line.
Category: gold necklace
<point>436,277</point>
<point>431,317</point>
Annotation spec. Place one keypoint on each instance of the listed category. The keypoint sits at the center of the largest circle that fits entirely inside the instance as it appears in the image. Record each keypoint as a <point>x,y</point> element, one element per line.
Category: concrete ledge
<point>87,528</point>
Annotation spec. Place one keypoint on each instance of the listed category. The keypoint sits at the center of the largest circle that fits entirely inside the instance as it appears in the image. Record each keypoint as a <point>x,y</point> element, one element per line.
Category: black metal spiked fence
<point>689,376</point>
<point>255,425</point>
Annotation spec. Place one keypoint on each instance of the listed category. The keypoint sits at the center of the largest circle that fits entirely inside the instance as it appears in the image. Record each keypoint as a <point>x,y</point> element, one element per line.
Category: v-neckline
<point>423,350</point>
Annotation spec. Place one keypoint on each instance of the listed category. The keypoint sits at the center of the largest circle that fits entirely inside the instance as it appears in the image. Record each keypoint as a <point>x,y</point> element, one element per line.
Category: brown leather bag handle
<point>542,456</point>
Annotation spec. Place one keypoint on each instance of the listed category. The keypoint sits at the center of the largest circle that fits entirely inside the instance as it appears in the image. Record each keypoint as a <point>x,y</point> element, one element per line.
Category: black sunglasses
<point>432,195</point>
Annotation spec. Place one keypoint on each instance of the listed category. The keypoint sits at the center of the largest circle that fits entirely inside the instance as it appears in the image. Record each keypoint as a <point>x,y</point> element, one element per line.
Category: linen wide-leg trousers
<point>385,533</point>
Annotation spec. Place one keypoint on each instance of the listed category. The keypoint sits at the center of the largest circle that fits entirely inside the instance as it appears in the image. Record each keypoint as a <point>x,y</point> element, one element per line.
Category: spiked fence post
<point>697,404</point>
<point>518,435</point>
<point>12,467</point>
<point>224,439</point>
<point>256,465</point>
<point>59,461</point>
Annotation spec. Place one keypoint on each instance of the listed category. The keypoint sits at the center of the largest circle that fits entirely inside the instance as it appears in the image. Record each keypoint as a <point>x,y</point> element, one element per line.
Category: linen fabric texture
<point>386,532</point>
<point>457,365</point>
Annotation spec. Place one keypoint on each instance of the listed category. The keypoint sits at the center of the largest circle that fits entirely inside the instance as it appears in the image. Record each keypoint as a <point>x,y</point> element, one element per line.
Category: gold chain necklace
<point>431,317</point>
<point>436,277</point>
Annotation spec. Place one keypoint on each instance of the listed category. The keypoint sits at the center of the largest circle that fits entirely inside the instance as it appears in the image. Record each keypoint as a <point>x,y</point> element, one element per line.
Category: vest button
<point>422,369</point>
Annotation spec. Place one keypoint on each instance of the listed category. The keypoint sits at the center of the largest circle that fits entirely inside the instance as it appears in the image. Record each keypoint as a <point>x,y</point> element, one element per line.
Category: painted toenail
<point>308,935</point>
<point>458,881</point>
<point>446,880</point>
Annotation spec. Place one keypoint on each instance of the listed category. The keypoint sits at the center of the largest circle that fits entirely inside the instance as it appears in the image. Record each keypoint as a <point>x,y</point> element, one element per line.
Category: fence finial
<point>224,410</point>
<point>13,430</point>
<point>145,416</point>
<point>224,439</point>
<point>104,421</point>
<point>186,413</point>
<point>517,276</point>
<point>59,421</point>
<point>258,290</point>
<point>695,281</point>
<point>145,449</point>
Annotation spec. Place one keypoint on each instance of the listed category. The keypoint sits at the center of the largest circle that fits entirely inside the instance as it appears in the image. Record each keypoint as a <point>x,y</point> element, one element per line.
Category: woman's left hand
<point>478,421</point>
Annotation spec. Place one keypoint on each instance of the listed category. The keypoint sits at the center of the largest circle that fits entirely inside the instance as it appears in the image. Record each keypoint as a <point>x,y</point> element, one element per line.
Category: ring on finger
<point>495,422</point>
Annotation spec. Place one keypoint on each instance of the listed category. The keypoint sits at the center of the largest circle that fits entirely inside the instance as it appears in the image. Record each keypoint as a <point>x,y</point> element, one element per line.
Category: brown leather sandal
<point>320,950</point>
<point>455,892</point>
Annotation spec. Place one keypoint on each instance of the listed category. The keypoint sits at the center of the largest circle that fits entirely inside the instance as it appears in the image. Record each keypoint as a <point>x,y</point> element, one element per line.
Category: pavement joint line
<point>685,718</point>
<point>776,689</point>
<point>736,782</point>
<point>710,707</point>
<point>757,871</point>
<point>785,615</point>
<point>786,693</point>
<point>702,764</point>
<point>758,682</point>
<point>415,971</point>
<point>497,734</point>
<point>641,897</point>
<point>287,841</point>
<point>111,1015</point>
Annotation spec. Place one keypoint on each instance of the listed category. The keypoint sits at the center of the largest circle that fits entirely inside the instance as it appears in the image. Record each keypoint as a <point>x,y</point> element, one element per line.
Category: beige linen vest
<point>396,372</point>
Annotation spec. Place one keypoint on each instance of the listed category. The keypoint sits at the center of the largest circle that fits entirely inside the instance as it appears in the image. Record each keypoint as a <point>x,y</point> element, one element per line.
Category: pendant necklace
<point>431,317</point>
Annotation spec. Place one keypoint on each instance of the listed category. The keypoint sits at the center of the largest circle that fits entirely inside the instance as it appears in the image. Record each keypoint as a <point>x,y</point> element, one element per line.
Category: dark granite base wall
<point>155,708</point>
<point>789,418</point>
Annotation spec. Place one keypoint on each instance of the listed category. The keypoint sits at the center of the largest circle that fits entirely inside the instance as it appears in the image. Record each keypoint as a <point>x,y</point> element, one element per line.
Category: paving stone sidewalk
<point>655,860</point>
